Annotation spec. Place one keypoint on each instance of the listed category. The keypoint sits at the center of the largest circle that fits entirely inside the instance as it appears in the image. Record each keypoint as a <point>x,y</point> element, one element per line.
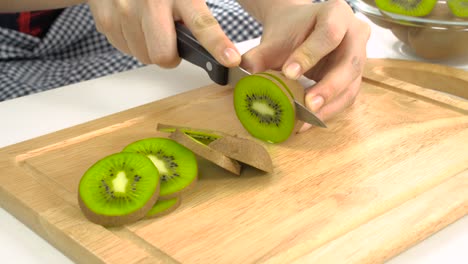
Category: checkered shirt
<point>73,51</point>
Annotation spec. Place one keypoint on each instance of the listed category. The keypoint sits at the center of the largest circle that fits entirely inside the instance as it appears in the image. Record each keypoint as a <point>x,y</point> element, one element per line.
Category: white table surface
<point>31,116</point>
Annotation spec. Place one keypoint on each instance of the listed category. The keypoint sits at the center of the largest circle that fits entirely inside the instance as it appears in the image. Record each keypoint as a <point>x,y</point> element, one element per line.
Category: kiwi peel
<point>245,151</point>
<point>205,136</point>
<point>206,152</point>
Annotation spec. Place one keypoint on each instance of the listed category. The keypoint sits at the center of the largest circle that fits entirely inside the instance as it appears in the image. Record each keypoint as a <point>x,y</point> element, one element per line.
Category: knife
<point>190,50</point>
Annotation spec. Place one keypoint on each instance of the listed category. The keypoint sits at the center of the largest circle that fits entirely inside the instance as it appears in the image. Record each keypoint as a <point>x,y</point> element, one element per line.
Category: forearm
<point>10,6</point>
<point>259,8</point>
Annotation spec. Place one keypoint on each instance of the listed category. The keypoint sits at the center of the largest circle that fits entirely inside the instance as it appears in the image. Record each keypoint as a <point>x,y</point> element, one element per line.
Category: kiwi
<point>265,108</point>
<point>203,135</point>
<point>163,207</point>
<point>416,8</point>
<point>176,164</point>
<point>118,189</point>
<point>245,151</point>
<point>459,7</point>
<point>206,152</point>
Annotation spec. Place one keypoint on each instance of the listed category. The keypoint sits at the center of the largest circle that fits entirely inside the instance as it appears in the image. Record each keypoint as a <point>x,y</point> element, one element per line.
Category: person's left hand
<point>322,41</point>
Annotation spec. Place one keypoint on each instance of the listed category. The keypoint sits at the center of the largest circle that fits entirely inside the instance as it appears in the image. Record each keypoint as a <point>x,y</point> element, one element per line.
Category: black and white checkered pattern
<point>73,51</point>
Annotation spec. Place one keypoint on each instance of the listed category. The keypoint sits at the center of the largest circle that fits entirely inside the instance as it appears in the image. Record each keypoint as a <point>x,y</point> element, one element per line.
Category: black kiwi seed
<point>264,119</point>
<point>167,154</point>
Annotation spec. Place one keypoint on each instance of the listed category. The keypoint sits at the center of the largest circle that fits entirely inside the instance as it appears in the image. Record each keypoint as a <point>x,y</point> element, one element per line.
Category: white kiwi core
<point>263,108</point>
<point>120,182</point>
<point>161,165</point>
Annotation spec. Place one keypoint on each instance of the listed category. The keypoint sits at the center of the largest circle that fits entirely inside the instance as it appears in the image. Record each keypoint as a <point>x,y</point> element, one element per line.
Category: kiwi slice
<point>118,189</point>
<point>203,135</point>
<point>415,8</point>
<point>265,108</point>
<point>206,152</point>
<point>176,164</point>
<point>164,207</point>
<point>245,151</point>
<point>459,7</point>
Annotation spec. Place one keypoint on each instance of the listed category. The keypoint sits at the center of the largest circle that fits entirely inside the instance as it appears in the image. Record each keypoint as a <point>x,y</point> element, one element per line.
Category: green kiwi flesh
<point>176,164</point>
<point>164,207</point>
<point>264,109</point>
<point>118,189</point>
<point>202,135</point>
<point>415,8</point>
<point>459,7</point>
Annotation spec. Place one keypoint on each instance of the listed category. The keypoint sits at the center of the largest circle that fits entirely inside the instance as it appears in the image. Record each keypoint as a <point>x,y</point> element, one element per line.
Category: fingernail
<point>293,71</point>
<point>315,102</point>
<point>230,56</point>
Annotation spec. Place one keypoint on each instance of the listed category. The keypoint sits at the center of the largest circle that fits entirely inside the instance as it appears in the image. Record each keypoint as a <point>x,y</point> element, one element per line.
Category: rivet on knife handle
<point>190,49</point>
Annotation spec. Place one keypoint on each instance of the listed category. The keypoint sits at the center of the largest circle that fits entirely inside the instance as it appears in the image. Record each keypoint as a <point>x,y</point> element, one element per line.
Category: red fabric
<point>36,23</point>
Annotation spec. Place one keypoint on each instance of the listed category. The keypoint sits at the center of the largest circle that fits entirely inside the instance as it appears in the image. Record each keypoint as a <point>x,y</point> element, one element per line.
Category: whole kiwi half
<point>176,164</point>
<point>264,104</point>
<point>118,189</point>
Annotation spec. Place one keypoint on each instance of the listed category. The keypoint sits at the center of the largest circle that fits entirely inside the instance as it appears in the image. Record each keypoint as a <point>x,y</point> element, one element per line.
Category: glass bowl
<point>436,36</point>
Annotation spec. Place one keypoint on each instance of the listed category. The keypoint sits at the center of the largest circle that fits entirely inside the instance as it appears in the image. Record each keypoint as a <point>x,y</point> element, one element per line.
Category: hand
<point>322,41</point>
<point>146,30</point>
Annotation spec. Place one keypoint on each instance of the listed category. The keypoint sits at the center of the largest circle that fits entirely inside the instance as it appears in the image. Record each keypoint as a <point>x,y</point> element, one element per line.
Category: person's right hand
<point>146,29</point>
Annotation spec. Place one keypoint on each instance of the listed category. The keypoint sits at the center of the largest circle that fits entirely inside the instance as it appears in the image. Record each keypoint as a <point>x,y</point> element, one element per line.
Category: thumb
<point>265,56</point>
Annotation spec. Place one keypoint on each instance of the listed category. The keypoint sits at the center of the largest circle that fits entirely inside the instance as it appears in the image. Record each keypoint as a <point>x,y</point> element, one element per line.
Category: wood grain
<point>385,174</point>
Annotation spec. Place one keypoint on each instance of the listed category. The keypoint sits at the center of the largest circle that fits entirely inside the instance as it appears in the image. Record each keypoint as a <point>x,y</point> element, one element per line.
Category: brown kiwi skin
<point>206,152</point>
<point>245,151</point>
<point>114,221</point>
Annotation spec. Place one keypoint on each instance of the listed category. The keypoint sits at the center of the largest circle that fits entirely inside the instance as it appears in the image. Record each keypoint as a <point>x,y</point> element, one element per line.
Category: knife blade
<point>190,50</point>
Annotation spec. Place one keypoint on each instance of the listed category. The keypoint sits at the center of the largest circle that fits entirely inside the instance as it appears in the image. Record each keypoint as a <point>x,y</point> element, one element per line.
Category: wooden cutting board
<point>387,173</point>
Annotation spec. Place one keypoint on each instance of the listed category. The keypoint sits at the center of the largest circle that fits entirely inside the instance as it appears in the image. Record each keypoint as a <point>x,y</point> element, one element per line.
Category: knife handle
<point>190,49</point>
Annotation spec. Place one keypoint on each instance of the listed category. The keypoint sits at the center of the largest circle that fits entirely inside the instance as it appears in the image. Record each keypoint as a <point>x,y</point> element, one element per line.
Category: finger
<point>108,24</point>
<point>340,103</point>
<point>132,30</point>
<point>337,106</point>
<point>206,29</point>
<point>263,57</point>
<point>335,82</point>
<point>346,67</point>
<point>160,35</point>
<point>325,37</point>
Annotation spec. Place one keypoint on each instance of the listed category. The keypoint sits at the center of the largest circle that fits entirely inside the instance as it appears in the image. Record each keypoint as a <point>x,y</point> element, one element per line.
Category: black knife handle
<point>190,49</point>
